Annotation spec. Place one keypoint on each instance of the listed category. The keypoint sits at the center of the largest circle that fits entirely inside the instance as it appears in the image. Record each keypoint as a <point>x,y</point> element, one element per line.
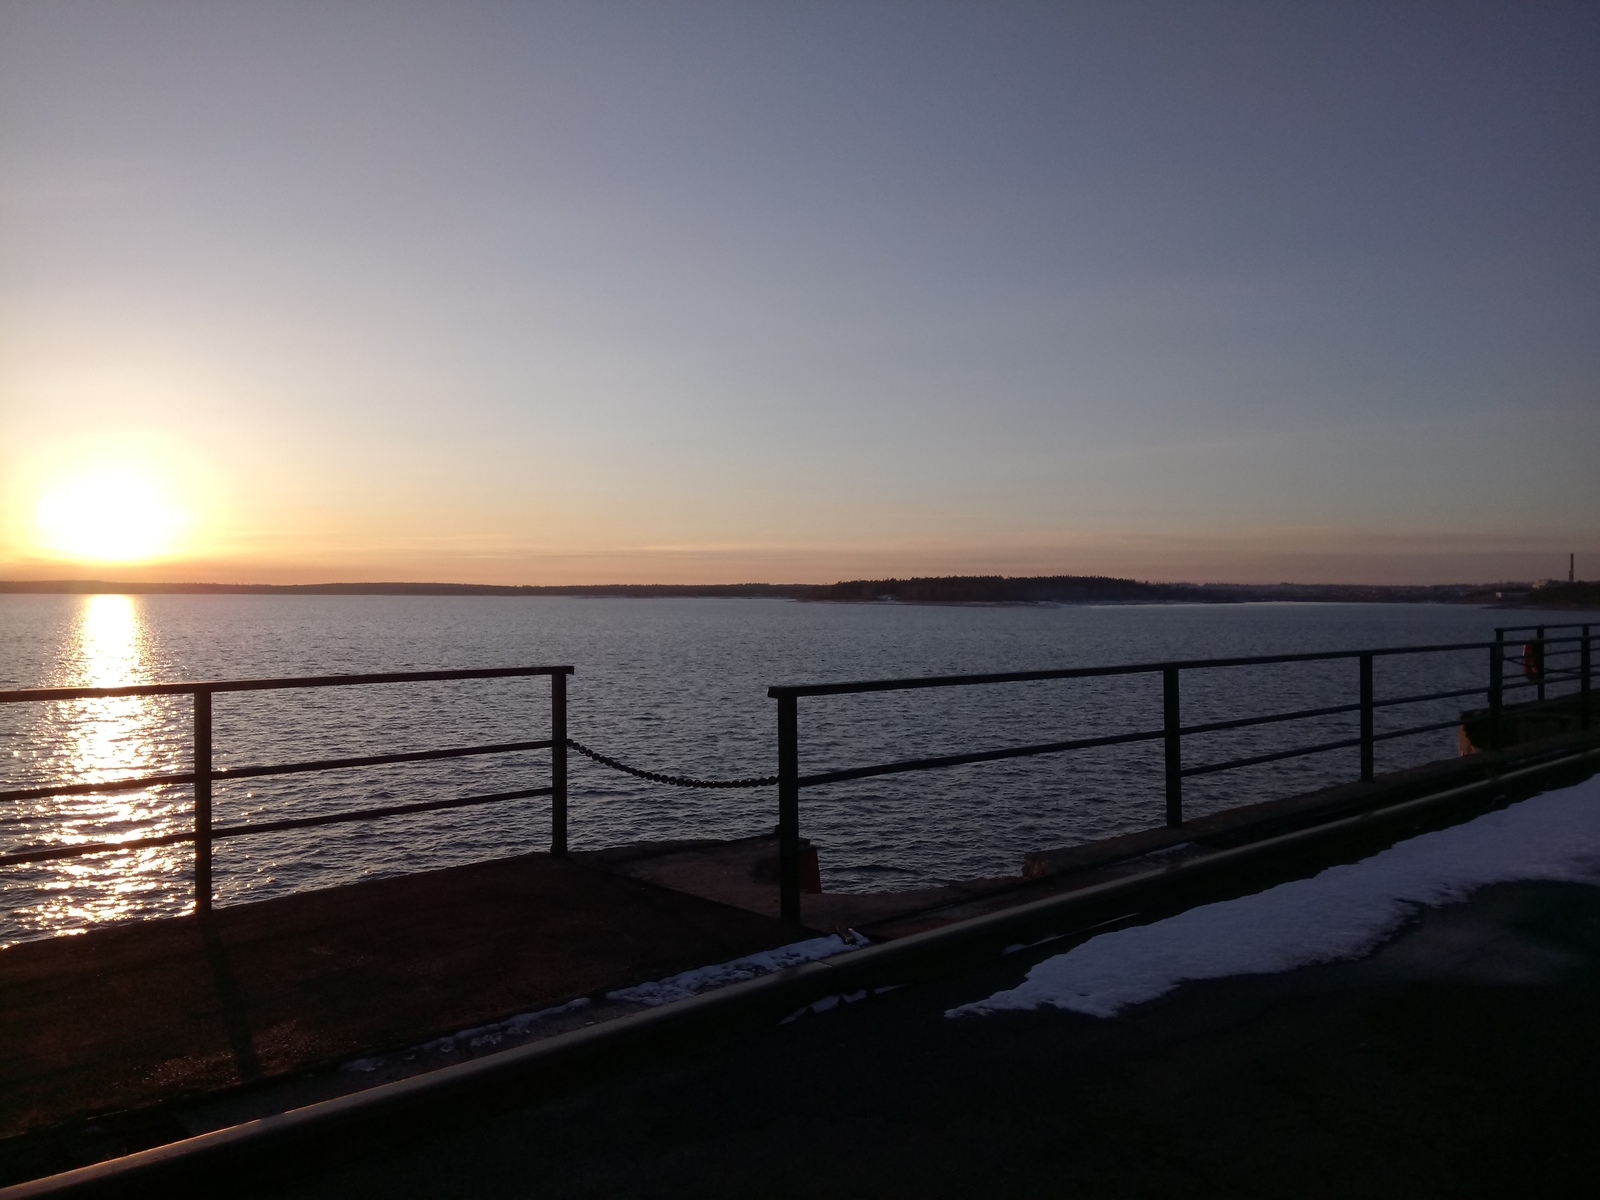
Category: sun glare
<point>111,517</point>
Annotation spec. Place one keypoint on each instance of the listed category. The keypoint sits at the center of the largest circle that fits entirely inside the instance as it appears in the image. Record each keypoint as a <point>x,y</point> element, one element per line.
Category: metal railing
<point>1172,730</point>
<point>204,774</point>
<point>1538,662</point>
<point>1543,659</point>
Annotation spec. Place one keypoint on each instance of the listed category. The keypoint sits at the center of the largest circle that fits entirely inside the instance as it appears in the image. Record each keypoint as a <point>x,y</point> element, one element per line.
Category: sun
<point>111,516</point>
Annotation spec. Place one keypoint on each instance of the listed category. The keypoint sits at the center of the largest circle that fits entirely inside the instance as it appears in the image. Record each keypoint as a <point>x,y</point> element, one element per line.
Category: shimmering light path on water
<point>676,685</point>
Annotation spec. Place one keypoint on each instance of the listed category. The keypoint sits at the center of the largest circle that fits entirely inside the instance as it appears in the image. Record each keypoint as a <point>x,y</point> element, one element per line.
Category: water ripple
<point>672,685</point>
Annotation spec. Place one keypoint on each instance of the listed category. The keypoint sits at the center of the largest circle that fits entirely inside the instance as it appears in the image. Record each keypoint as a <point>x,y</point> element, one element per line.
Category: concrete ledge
<point>1234,826</point>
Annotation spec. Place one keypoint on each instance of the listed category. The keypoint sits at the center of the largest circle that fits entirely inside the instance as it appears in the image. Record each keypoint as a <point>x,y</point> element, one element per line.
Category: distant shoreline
<point>647,590</point>
<point>982,590</point>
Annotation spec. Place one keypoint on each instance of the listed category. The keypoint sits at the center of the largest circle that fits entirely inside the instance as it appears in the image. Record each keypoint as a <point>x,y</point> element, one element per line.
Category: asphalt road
<point>1459,1060</point>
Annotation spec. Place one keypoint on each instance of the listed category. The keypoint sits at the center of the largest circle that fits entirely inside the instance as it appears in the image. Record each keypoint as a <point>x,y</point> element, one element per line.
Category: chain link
<point>675,780</point>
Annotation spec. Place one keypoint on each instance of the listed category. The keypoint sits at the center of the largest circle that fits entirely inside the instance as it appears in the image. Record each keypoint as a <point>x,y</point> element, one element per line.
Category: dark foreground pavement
<point>153,1011</point>
<point>1462,1059</point>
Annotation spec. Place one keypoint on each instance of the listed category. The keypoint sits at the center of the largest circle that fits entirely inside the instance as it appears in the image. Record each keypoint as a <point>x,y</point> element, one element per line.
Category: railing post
<point>788,809</point>
<point>558,763</point>
<point>1170,712</point>
<point>1366,717</point>
<point>1497,665</point>
<point>1584,686</point>
<point>202,802</point>
<point>1538,659</point>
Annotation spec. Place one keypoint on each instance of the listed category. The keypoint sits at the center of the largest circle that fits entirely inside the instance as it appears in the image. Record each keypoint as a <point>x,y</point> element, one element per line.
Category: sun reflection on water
<point>98,740</point>
<point>107,733</point>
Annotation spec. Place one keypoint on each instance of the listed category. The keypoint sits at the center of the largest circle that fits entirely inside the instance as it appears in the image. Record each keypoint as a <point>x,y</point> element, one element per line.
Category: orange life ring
<point>1533,660</point>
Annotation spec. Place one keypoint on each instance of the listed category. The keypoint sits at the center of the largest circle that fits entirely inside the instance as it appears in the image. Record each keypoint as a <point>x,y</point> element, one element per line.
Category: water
<point>672,685</point>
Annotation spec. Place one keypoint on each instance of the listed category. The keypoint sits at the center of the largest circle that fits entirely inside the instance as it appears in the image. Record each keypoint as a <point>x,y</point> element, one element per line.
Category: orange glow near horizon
<point>112,516</point>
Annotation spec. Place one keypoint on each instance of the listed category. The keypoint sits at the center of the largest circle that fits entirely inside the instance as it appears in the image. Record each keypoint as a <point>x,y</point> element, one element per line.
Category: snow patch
<point>475,1038</point>
<point>1342,913</point>
<point>703,979</point>
<point>828,1003</point>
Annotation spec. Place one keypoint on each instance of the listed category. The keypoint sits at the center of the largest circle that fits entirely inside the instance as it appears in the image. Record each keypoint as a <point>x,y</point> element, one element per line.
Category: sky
<point>794,292</point>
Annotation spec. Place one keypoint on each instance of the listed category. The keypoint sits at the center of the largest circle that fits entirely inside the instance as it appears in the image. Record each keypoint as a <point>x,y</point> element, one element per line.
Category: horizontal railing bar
<point>83,848</point>
<point>1415,729</point>
<point>932,681</point>
<point>1524,629</point>
<point>1253,760</point>
<point>221,831</point>
<point>225,773</point>
<point>259,685</point>
<point>1528,708</point>
<point>956,760</point>
<point>1453,694</point>
<point>1562,701</point>
<point>1550,679</point>
<point>109,785</point>
<point>1209,768</point>
<point>1575,639</point>
<point>373,814</point>
<point>375,760</point>
<point>1245,722</point>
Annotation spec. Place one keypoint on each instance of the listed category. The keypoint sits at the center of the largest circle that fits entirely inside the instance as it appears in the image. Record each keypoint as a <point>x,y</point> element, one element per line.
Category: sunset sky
<point>709,292</point>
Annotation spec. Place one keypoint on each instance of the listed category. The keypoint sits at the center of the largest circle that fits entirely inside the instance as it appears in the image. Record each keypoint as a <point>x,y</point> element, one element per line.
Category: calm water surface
<point>671,685</point>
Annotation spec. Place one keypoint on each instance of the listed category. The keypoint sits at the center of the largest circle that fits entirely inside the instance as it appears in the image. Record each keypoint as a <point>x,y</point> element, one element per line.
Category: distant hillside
<point>1101,589</point>
<point>1357,593</point>
<point>1001,589</point>
<point>1560,595</point>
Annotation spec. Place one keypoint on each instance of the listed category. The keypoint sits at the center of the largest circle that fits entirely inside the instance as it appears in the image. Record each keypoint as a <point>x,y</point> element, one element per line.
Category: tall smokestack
<point>1572,562</point>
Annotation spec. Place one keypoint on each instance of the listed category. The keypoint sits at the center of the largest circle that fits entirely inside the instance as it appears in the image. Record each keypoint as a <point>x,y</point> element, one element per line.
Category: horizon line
<point>88,585</point>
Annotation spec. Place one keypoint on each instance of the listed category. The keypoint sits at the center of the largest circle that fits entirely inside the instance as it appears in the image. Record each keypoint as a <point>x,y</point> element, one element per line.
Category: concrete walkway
<point>1459,1061</point>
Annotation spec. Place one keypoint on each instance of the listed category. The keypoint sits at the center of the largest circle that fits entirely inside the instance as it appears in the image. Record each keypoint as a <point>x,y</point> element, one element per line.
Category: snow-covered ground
<point>481,1039</point>
<point>1343,913</point>
<point>703,979</point>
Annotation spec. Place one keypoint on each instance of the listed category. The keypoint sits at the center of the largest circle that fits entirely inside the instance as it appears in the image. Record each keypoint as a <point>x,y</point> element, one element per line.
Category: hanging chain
<point>674,780</point>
